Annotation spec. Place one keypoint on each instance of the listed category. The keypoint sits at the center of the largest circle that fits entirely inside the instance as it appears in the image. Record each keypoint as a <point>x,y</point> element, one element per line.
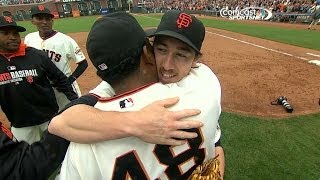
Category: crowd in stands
<point>284,6</point>
<point>15,2</point>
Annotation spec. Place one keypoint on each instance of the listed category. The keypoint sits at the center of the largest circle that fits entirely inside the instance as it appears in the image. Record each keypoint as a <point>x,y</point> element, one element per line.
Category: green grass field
<point>303,38</point>
<point>255,148</point>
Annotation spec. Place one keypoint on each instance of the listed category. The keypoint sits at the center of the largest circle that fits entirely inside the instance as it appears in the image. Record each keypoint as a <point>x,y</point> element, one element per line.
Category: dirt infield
<point>252,75</point>
<point>252,71</point>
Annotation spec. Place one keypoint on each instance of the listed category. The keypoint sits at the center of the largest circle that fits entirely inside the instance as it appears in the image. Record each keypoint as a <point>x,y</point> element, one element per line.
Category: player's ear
<point>196,60</point>
<point>148,53</point>
<point>148,67</point>
<point>32,20</point>
<point>194,64</point>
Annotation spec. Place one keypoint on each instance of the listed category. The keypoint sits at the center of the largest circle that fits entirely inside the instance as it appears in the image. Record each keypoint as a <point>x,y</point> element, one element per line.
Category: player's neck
<point>134,81</point>
<point>46,34</point>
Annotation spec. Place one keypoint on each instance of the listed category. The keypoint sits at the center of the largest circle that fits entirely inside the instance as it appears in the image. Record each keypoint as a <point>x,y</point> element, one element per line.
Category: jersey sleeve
<point>75,52</point>
<point>103,90</point>
<point>56,76</point>
<point>88,99</point>
<point>27,40</point>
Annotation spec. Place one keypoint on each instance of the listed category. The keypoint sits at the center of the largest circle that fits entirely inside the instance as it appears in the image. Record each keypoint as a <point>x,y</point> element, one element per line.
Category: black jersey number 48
<point>129,165</point>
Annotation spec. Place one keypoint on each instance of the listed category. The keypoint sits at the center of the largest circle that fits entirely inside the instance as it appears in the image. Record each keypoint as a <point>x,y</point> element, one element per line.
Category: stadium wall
<point>66,8</point>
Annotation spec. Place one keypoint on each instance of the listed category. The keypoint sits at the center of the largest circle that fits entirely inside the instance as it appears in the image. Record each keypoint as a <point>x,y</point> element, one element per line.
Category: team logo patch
<point>29,79</point>
<point>126,103</point>
<point>11,68</point>
<point>184,20</point>
<point>40,7</point>
<point>8,19</point>
<point>103,66</point>
<point>78,50</point>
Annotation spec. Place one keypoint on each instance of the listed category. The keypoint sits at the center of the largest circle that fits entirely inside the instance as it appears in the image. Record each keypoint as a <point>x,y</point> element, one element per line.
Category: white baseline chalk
<point>258,46</point>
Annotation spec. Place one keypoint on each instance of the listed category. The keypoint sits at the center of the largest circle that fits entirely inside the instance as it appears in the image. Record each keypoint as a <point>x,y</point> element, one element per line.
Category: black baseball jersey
<point>19,160</point>
<point>26,94</point>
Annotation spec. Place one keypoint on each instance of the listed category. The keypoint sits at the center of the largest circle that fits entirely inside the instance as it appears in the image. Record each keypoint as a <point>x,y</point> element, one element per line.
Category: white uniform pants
<point>62,99</point>
<point>29,134</point>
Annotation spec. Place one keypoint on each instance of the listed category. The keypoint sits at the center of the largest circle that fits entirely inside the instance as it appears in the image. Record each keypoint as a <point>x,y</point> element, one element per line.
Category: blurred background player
<point>26,94</point>
<point>61,49</point>
<point>315,14</point>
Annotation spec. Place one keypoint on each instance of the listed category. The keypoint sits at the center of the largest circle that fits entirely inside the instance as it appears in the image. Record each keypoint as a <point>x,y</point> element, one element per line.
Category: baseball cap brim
<point>176,36</point>
<point>38,14</point>
<point>18,28</point>
<point>150,32</point>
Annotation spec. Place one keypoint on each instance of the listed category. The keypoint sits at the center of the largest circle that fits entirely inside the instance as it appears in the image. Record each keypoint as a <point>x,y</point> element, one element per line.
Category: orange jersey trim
<point>6,131</point>
<point>124,94</point>
<point>21,52</point>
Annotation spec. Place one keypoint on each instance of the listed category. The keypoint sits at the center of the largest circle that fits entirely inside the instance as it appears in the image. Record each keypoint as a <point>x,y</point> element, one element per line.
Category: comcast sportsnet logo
<point>248,13</point>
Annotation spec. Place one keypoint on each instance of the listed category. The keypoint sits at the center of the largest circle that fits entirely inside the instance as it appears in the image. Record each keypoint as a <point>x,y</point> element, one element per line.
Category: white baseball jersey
<point>61,49</point>
<point>218,134</point>
<point>131,158</point>
<point>103,90</point>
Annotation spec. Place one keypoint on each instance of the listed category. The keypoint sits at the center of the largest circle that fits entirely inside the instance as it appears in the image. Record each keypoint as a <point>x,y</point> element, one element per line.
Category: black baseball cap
<point>6,21</point>
<point>182,26</point>
<point>150,31</point>
<point>115,43</point>
<point>40,9</point>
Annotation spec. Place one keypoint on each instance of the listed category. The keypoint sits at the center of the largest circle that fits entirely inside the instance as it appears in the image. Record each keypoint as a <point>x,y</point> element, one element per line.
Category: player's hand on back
<point>156,124</point>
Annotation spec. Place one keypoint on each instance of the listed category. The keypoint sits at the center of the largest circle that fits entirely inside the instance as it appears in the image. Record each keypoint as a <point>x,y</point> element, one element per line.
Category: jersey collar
<point>21,52</point>
<point>49,35</point>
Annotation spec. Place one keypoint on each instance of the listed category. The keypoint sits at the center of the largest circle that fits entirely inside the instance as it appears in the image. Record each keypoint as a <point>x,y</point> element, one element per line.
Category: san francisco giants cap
<point>115,43</point>
<point>182,26</point>
<point>6,21</point>
<point>40,9</point>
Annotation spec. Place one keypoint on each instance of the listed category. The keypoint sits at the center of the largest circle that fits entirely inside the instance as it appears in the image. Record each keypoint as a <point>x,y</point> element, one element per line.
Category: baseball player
<point>315,13</point>
<point>61,49</point>
<point>27,97</point>
<point>104,90</point>
<point>131,70</point>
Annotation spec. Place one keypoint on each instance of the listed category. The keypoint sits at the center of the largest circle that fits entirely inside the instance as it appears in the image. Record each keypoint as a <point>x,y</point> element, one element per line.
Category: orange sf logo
<point>8,19</point>
<point>40,7</point>
<point>184,20</point>
<point>29,79</point>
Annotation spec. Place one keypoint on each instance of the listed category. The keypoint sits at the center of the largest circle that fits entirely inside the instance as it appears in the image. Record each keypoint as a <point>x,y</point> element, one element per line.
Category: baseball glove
<point>207,171</point>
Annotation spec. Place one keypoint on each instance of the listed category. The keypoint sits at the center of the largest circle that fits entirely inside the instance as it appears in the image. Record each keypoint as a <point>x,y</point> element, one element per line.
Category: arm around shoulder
<point>154,124</point>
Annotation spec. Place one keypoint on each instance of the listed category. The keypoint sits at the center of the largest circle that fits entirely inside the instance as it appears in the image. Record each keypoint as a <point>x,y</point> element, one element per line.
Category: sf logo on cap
<point>40,7</point>
<point>184,20</point>
<point>8,19</point>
